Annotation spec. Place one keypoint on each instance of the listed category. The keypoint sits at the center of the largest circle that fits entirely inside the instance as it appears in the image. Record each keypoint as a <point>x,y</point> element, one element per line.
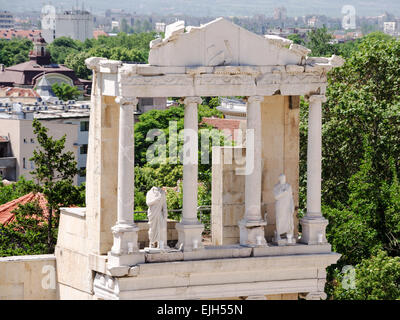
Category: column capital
<point>126,100</point>
<point>317,98</point>
<point>93,63</point>
<point>189,100</point>
<point>253,99</point>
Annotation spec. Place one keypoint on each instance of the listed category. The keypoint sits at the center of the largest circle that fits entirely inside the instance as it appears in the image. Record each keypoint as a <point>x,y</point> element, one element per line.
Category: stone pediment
<point>221,43</point>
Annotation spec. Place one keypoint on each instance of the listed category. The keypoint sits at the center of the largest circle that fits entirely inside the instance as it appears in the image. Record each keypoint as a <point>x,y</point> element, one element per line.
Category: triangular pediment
<point>220,42</point>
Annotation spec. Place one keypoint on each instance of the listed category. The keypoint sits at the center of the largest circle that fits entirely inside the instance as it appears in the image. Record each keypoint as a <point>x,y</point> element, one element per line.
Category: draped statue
<point>284,208</point>
<point>157,214</point>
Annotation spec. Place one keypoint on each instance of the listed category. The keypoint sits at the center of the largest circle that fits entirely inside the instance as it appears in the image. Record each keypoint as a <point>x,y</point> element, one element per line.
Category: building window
<point>32,165</point>
<point>84,148</point>
<point>84,125</point>
<point>23,163</point>
<point>32,141</point>
<point>25,141</point>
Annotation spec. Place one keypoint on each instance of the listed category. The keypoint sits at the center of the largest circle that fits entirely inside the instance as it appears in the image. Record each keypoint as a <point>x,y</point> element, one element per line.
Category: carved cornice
<point>224,79</point>
<point>165,80</point>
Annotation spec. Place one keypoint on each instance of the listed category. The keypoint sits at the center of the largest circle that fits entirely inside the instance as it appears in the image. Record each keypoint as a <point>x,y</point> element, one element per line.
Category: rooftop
<point>229,127</point>
<point>18,92</point>
<point>7,214</point>
<point>13,33</point>
<point>42,110</point>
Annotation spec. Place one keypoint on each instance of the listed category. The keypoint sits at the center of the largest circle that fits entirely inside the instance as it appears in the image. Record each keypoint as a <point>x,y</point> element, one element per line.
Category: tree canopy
<point>65,92</point>
<point>72,53</point>
<point>14,51</point>
<point>361,160</point>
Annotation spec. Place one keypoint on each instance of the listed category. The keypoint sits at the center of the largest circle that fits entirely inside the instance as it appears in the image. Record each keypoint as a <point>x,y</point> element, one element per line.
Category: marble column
<point>125,251</point>
<point>252,226</point>
<point>190,229</point>
<point>314,224</point>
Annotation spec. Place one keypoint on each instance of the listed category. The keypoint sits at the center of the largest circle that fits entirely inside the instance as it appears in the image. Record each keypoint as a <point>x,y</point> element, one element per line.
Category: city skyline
<point>216,8</point>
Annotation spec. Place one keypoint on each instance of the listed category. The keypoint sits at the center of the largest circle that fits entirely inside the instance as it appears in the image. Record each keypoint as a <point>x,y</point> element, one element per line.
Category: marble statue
<point>157,214</point>
<point>284,208</point>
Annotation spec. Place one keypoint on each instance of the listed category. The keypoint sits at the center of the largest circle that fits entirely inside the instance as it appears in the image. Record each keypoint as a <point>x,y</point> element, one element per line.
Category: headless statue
<point>157,214</point>
<point>284,207</point>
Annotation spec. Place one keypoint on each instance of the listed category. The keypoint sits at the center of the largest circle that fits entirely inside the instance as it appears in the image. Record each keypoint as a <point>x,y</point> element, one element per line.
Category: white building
<point>6,20</point>
<point>114,25</point>
<point>22,142</point>
<point>160,27</point>
<point>76,24</point>
<point>71,119</point>
<point>233,108</point>
<point>389,28</point>
<point>74,116</point>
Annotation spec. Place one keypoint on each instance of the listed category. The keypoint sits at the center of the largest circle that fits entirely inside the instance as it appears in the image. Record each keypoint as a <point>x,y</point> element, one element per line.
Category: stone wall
<point>227,195</point>
<point>280,152</point>
<point>28,278</point>
<point>102,172</point>
<point>280,146</point>
<point>74,270</point>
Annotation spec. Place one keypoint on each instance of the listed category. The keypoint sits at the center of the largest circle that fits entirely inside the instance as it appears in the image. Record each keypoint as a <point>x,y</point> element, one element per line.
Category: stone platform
<point>220,278</point>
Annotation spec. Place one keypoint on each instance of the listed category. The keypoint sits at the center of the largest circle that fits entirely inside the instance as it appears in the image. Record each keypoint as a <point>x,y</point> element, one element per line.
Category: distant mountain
<point>214,8</point>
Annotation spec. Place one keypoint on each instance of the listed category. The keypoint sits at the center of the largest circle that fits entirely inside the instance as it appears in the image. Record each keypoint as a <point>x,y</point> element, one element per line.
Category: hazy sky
<point>216,7</point>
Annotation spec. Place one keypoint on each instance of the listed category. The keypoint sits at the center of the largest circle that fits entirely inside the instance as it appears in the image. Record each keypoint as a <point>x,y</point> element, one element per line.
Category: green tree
<point>54,172</point>
<point>376,278</point>
<point>76,62</point>
<point>370,219</point>
<point>319,42</point>
<point>169,174</point>
<point>14,51</point>
<point>296,39</point>
<point>15,190</point>
<point>65,92</point>
<point>61,47</point>
<point>27,234</point>
<point>363,105</point>
<point>361,153</point>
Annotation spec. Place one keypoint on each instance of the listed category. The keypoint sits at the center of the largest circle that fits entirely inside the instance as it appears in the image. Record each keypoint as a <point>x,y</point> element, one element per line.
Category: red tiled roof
<point>228,126</point>
<point>97,33</point>
<point>13,33</point>
<point>6,210</point>
<point>20,92</point>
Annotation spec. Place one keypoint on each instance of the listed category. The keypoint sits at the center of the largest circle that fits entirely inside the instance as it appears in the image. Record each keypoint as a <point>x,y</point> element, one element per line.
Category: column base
<point>251,231</point>
<point>313,230</point>
<point>187,234</point>
<point>125,251</point>
<point>283,242</point>
<point>119,265</point>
